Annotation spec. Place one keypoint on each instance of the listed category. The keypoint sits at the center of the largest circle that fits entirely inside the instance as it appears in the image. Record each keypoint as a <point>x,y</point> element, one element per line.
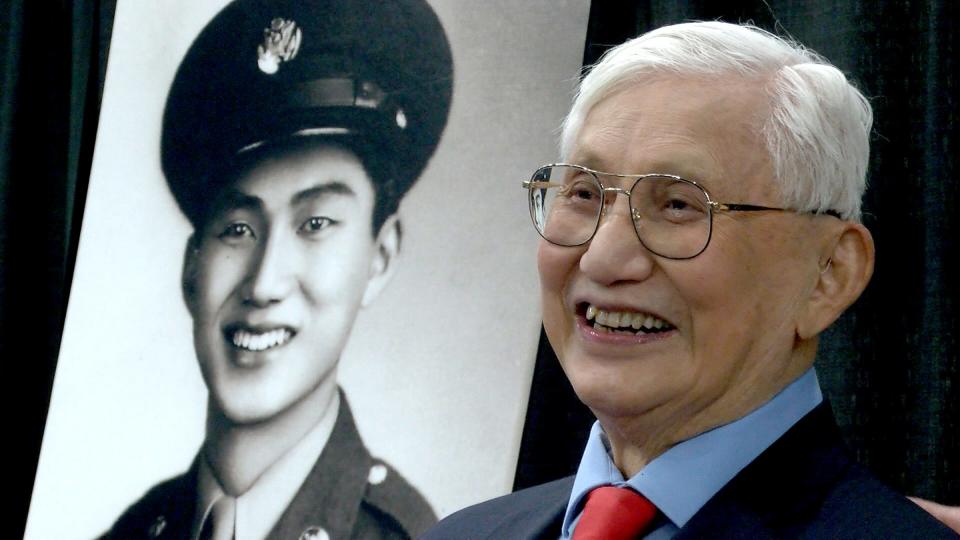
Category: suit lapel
<point>536,516</point>
<point>545,526</point>
<point>780,491</point>
<point>548,526</point>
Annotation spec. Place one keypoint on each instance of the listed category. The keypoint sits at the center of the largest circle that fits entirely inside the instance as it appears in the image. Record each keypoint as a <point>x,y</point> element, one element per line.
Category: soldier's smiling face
<point>276,275</point>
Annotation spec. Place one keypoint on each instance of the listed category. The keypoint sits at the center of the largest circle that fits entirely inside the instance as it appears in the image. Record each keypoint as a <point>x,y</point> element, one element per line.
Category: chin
<point>619,394</point>
<point>606,393</point>
<point>247,406</point>
<point>616,403</point>
<point>245,413</point>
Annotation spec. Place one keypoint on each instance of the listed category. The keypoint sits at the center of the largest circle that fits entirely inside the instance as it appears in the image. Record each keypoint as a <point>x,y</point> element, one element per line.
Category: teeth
<point>607,320</point>
<point>245,339</point>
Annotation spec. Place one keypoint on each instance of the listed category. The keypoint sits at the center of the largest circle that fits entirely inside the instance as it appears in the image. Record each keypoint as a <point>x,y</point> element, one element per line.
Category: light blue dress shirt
<point>682,479</point>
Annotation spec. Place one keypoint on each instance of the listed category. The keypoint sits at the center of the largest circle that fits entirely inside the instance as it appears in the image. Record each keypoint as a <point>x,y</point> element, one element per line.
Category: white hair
<point>818,130</point>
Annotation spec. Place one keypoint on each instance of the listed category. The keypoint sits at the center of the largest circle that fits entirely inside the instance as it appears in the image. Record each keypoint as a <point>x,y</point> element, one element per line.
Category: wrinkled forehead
<point>704,129</point>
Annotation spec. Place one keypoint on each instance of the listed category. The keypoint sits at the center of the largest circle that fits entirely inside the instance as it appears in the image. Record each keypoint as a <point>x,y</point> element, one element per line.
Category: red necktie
<point>613,513</point>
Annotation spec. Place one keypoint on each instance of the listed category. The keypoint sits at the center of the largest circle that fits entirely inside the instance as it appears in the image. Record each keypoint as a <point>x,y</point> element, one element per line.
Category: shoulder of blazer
<point>530,513</point>
<point>806,485</point>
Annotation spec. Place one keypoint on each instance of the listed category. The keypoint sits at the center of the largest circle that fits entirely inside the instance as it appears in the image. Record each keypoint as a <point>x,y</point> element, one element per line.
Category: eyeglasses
<point>673,216</point>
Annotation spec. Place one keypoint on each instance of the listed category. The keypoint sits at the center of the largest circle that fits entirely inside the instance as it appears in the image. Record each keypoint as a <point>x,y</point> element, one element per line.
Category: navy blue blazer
<point>804,486</point>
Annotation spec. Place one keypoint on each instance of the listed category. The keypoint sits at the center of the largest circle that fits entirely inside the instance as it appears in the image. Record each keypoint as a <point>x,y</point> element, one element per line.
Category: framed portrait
<point>437,369</point>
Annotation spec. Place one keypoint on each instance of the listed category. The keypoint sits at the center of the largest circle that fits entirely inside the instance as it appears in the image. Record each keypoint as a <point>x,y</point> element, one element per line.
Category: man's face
<point>276,277</point>
<point>727,316</point>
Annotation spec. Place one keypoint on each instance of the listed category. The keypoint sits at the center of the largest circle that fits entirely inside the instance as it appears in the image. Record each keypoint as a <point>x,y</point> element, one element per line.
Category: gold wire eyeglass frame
<point>712,206</point>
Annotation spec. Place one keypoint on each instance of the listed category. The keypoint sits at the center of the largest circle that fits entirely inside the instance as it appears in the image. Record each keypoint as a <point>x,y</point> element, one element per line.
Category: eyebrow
<point>335,187</point>
<point>676,166</point>
<point>585,158</point>
<point>234,199</point>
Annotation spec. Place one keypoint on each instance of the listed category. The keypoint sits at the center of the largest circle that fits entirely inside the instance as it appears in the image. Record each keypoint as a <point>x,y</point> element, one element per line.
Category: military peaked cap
<point>263,73</point>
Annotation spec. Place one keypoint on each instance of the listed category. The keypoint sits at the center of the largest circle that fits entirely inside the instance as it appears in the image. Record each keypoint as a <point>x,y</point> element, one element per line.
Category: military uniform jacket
<point>805,485</point>
<point>347,494</point>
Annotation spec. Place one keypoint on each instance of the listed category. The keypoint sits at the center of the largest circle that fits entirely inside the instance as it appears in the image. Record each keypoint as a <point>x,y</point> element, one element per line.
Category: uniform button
<point>156,529</point>
<point>378,473</point>
<point>314,533</point>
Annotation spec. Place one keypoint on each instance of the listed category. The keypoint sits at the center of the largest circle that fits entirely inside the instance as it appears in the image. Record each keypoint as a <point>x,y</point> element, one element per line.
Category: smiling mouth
<point>254,340</point>
<point>623,322</point>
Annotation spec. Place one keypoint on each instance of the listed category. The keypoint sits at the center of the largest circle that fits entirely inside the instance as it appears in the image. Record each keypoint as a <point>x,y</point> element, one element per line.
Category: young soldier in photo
<point>290,134</point>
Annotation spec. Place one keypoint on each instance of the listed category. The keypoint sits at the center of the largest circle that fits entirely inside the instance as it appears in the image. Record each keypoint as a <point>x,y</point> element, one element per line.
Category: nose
<point>271,275</point>
<point>615,254</point>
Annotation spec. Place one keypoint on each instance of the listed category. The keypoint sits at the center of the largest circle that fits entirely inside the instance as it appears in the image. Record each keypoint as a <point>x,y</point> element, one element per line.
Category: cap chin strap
<point>308,132</point>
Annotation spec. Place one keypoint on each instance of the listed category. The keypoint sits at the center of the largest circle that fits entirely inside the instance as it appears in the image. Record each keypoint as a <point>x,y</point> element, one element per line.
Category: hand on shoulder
<point>949,515</point>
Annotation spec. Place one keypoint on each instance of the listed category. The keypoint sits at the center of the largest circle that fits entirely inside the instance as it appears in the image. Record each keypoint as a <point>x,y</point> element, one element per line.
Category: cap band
<point>335,92</point>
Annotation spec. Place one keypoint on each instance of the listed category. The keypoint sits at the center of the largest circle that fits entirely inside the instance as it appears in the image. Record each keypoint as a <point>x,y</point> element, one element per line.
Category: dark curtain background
<point>888,366</point>
<point>53,63</point>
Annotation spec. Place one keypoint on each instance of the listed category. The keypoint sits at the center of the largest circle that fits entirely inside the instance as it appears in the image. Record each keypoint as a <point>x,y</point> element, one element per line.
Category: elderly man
<point>291,132</point>
<point>702,232</point>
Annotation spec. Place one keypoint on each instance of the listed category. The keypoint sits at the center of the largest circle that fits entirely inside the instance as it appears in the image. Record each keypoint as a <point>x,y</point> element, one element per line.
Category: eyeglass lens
<point>671,216</point>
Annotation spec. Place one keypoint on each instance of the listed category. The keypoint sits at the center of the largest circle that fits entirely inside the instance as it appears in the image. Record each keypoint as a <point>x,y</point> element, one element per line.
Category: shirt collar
<point>261,506</point>
<point>682,479</point>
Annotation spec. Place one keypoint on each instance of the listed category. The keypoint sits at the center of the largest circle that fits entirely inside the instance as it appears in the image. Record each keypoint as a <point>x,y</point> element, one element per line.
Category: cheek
<point>719,288</point>
<point>337,270</point>
<point>218,274</point>
<point>545,268</point>
<point>761,266</point>
<point>724,277</point>
<point>739,296</point>
<point>554,265</point>
<point>557,266</point>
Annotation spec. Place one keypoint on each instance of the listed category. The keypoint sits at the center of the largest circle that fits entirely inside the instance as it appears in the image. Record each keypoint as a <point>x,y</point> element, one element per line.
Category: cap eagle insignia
<point>281,41</point>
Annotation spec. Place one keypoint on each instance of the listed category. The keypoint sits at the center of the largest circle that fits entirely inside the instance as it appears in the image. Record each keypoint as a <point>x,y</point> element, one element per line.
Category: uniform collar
<point>328,498</point>
<point>261,506</point>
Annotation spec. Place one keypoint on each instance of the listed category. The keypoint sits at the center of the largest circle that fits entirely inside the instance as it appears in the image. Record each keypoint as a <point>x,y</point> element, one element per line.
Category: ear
<point>188,277</point>
<point>383,262</point>
<point>846,266</point>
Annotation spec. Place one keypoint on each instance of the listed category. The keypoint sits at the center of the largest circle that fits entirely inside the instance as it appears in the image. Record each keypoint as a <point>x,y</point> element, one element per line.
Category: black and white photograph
<point>447,269</point>
<point>305,296</point>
